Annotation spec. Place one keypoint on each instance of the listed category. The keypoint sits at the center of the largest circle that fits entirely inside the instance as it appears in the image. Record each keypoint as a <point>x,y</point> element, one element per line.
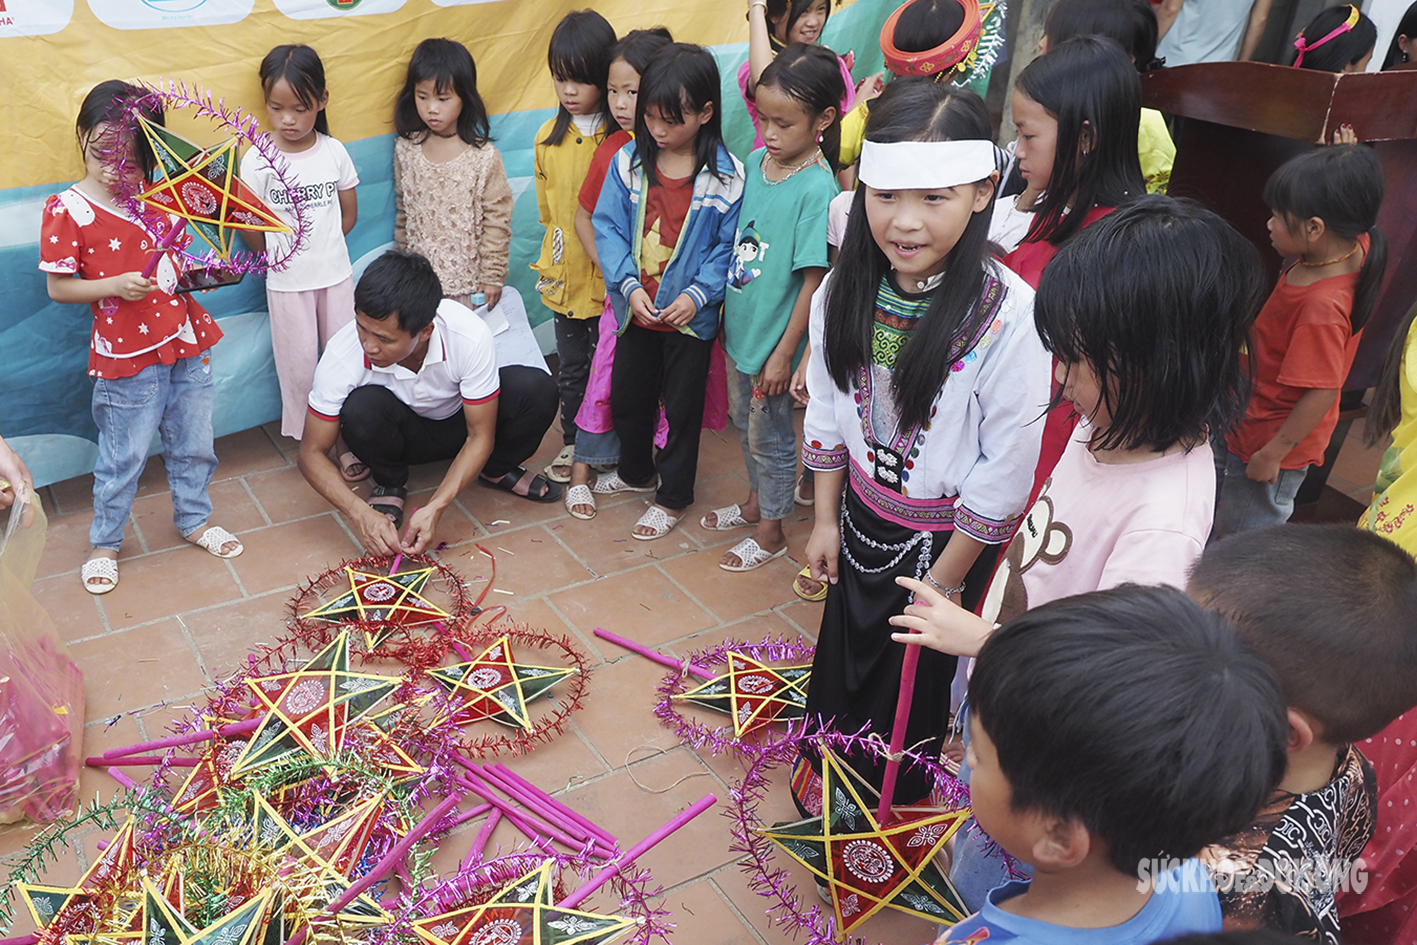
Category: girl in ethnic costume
<point>926,376</point>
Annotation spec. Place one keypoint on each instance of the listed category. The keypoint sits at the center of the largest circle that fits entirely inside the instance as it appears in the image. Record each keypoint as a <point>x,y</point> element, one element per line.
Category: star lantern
<point>165,924</point>
<point>867,867</point>
<point>522,913</point>
<point>494,686</point>
<point>317,709</point>
<point>382,601</point>
<point>47,903</point>
<point>753,693</point>
<point>200,185</point>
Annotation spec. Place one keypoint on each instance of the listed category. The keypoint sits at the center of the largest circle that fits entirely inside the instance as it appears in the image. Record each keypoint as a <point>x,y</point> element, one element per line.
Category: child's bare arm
<point>776,375</point>
<point>1308,411</point>
<point>127,285</point>
<point>939,623</point>
<point>585,232</point>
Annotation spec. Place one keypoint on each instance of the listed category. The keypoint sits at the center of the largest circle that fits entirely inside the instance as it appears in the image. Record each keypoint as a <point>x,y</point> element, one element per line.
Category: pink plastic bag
<point>41,690</point>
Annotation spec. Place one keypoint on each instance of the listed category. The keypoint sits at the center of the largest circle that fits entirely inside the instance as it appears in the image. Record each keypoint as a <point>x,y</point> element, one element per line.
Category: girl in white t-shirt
<point>310,294</point>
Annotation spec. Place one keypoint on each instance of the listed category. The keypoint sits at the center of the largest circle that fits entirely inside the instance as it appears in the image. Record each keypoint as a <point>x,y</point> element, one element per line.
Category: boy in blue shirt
<point>1113,735</point>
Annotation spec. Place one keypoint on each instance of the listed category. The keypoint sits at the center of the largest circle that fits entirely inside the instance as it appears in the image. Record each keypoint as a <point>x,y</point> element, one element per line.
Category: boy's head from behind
<point>1332,609</point>
<point>1129,722</point>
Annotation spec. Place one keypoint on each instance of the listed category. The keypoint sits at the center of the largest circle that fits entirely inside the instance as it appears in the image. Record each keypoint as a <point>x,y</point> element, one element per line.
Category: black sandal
<point>394,494</point>
<point>509,482</point>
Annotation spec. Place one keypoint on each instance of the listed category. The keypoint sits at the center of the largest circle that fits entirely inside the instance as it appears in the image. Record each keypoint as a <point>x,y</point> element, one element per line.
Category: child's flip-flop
<point>99,568</point>
<point>751,555</point>
<point>659,520</point>
<point>818,595</point>
<point>214,538</point>
<point>577,497</point>
<point>726,519</point>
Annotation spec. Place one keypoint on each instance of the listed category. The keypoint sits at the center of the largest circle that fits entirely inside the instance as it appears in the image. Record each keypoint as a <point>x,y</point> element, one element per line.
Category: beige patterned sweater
<point>458,214</point>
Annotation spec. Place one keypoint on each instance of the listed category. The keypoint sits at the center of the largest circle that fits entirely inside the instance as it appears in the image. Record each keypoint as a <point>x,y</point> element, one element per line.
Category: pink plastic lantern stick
<point>649,654</point>
<point>474,855</point>
<point>902,719</point>
<point>399,851</point>
<point>161,249</point>
<point>638,850</point>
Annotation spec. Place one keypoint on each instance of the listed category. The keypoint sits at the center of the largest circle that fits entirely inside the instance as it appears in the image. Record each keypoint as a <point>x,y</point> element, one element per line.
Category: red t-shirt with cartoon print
<point>80,237</point>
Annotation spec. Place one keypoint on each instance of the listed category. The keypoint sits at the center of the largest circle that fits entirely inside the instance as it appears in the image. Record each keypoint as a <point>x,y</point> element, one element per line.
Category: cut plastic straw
<point>161,249</point>
<point>175,741</point>
<point>526,820</point>
<point>465,816</point>
<point>638,850</point>
<point>590,826</point>
<point>551,812</point>
<point>649,654</point>
<point>902,720</point>
<point>474,854</point>
<point>399,851</point>
<point>99,762</point>
<point>123,779</point>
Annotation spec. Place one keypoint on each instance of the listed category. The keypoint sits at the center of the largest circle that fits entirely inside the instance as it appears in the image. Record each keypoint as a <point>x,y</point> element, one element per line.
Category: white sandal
<point>213,537</point>
<point>580,495</point>
<point>659,520</point>
<point>99,567</point>
<point>726,519</point>
<point>611,483</point>
<point>751,555</point>
<point>564,459</point>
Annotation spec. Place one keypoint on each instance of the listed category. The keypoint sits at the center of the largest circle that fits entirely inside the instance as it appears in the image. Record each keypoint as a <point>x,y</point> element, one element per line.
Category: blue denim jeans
<point>597,449</point>
<point>174,400</point>
<point>769,442</point>
<point>1242,504</point>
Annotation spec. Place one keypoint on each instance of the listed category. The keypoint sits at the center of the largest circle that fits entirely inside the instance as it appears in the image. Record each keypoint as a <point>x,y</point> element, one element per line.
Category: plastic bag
<point>41,690</point>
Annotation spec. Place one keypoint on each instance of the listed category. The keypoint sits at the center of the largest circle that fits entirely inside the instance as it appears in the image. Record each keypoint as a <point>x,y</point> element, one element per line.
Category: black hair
<point>638,47</point>
<point>303,71</point>
<point>401,283</point>
<point>1158,299</point>
<point>1135,712</point>
<point>1091,87</point>
<point>1407,26</point>
<point>580,52</point>
<point>681,77</point>
<point>1343,50</point>
<point>811,76</point>
<point>112,101</point>
<point>1249,937</point>
<point>747,235</point>
<point>448,65</point>
<point>1342,185</point>
<point>1131,23</point>
<point>910,109</point>
<point>793,10</point>
<point>926,24</point>
<point>1332,609</point>
<point>1385,410</point>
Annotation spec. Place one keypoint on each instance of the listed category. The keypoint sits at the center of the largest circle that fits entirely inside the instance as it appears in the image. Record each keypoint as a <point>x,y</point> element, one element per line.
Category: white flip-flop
<point>751,555</point>
<point>580,495</point>
<point>611,483</point>
<point>565,458</point>
<point>726,519</point>
<point>99,567</point>
<point>659,520</point>
<point>213,537</point>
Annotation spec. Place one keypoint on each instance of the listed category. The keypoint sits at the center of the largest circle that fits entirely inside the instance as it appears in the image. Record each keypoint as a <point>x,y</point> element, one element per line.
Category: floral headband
<point>1343,27</point>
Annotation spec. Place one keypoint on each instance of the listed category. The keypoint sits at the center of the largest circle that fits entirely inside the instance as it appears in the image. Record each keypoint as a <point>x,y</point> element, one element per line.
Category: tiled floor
<point>181,619</point>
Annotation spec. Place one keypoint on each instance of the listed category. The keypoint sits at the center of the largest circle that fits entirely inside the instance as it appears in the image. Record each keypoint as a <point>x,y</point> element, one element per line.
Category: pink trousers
<point>302,323</point>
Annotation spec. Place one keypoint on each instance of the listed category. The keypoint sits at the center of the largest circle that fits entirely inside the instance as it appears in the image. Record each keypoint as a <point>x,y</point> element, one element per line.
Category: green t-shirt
<point>782,229</point>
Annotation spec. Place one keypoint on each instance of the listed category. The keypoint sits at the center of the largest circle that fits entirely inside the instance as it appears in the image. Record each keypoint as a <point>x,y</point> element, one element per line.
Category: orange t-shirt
<point>1302,340</point>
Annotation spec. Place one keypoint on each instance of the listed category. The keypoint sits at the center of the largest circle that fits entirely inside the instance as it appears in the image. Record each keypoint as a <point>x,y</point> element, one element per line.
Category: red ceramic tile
<point>642,605</point>
<point>73,495</point>
<point>732,595</point>
<point>66,544</point>
<point>249,451</point>
<point>74,610</point>
<point>169,582</point>
<point>132,669</point>
<point>604,543</point>
<point>232,509</point>
<point>530,562</point>
<point>226,634</point>
<point>702,916</point>
<point>618,717</point>
<point>100,736</point>
<point>285,555</point>
<point>285,495</point>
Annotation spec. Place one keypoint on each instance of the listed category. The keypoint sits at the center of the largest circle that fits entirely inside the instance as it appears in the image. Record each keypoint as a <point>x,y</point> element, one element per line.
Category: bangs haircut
<point>1129,23</point>
<point>1089,85</point>
<point>303,71</point>
<point>1345,49</point>
<point>401,283</point>
<point>1343,186</point>
<point>1135,712</point>
<point>638,47</point>
<point>794,10</point>
<point>910,109</point>
<point>580,51</point>
<point>680,78</point>
<point>926,24</point>
<point>810,75</point>
<point>1158,299</point>
<point>449,66</point>
<point>116,104</point>
<point>1332,609</point>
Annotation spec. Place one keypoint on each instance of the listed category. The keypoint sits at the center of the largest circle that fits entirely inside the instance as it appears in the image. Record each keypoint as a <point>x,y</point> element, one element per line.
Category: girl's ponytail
<point>1370,278</point>
<point>1385,412</point>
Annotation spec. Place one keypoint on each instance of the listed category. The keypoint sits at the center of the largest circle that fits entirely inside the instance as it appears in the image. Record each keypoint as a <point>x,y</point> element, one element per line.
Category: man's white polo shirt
<point>460,368</point>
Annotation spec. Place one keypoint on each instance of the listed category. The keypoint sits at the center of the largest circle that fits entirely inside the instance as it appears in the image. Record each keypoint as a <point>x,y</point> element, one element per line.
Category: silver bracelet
<point>947,591</point>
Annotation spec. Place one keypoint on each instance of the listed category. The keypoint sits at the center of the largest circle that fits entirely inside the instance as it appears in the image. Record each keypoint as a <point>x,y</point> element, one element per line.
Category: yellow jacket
<point>569,283</point>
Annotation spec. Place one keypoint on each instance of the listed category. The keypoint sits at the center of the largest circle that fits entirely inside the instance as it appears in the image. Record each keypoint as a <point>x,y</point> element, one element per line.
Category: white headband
<point>925,165</point>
